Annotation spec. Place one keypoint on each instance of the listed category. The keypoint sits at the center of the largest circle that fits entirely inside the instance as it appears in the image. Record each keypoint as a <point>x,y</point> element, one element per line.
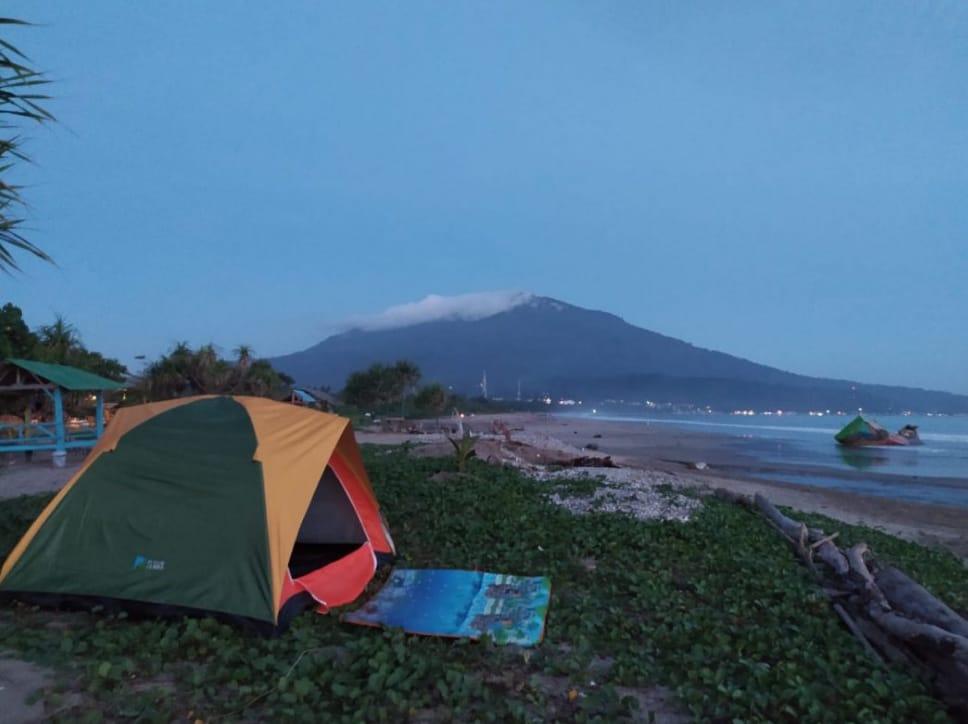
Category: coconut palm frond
<point>19,101</point>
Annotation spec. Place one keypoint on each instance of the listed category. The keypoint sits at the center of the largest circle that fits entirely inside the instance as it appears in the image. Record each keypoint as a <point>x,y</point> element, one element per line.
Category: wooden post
<point>59,419</point>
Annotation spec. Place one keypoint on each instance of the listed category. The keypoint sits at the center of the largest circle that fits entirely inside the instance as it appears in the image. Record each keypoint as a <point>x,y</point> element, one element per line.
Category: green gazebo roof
<point>70,378</point>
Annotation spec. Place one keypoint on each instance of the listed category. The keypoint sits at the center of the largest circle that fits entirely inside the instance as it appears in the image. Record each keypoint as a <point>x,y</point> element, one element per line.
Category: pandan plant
<point>463,449</point>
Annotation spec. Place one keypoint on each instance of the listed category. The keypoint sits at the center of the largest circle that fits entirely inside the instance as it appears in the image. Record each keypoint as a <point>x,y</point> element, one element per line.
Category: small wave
<point>959,438</point>
<point>729,425</point>
<point>944,437</point>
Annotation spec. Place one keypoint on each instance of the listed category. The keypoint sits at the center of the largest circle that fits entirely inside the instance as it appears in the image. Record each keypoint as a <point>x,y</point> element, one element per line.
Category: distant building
<point>312,397</point>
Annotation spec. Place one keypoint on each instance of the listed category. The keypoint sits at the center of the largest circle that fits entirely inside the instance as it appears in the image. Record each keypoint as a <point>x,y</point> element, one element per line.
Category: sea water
<point>807,441</point>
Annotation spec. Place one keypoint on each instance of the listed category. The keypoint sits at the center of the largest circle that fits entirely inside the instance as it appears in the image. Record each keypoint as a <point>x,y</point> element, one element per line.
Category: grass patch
<point>716,609</point>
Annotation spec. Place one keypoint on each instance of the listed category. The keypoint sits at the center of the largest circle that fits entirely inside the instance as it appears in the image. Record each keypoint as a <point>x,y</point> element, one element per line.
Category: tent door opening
<point>330,530</point>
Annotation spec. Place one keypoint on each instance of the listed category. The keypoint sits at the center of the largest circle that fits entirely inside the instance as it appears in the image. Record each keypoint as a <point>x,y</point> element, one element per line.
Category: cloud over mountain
<point>434,307</point>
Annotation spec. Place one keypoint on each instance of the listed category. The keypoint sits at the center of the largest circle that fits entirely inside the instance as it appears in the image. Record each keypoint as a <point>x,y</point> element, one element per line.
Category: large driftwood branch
<point>826,539</point>
<point>858,632</point>
<point>830,554</point>
<point>792,528</point>
<point>927,639</point>
<point>730,497</point>
<point>913,600</point>
<point>944,658</point>
<point>855,557</point>
<point>885,644</point>
<point>921,632</point>
<point>797,534</point>
<point>858,567</point>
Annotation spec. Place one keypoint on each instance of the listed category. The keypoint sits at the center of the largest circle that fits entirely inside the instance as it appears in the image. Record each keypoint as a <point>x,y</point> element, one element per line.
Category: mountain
<point>563,351</point>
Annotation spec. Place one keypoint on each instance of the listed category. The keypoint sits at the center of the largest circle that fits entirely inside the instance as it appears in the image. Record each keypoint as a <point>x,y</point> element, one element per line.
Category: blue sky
<point>784,181</point>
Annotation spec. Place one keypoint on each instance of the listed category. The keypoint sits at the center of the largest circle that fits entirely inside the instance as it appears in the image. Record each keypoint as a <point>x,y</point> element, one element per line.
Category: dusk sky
<point>783,181</point>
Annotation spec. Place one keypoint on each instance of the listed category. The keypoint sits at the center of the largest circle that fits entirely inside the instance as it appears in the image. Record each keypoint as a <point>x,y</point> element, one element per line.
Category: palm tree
<point>433,398</point>
<point>243,353</point>
<point>18,101</point>
<point>59,341</point>
<point>174,375</point>
<point>204,369</point>
<point>16,339</point>
<point>185,371</point>
<point>406,375</point>
<point>260,379</point>
<point>163,379</point>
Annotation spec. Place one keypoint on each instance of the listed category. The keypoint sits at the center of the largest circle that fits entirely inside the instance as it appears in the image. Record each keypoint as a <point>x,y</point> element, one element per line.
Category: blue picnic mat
<point>443,602</point>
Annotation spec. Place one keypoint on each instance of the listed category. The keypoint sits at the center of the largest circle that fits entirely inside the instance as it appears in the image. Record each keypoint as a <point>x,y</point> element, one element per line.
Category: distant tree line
<point>381,385</point>
<point>182,372</point>
<point>59,343</point>
<point>388,389</point>
<point>392,389</point>
<point>185,371</point>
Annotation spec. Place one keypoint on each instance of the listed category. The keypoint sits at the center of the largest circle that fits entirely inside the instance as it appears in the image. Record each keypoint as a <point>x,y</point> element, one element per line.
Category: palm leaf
<point>19,99</point>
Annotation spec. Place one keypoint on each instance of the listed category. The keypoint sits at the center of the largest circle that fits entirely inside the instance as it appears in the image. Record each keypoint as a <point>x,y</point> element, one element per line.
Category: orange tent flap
<point>342,581</point>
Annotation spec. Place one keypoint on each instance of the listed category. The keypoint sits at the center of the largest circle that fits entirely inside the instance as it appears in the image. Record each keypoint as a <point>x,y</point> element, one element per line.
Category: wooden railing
<point>21,437</point>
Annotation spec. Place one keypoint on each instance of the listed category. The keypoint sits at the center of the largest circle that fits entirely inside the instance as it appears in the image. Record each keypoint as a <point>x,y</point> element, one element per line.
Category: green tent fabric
<point>140,494</point>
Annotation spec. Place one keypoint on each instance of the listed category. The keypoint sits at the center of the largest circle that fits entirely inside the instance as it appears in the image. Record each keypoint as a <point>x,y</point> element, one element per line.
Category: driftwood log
<point>913,601</point>
<point>894,617</point>
<point>589,462</point>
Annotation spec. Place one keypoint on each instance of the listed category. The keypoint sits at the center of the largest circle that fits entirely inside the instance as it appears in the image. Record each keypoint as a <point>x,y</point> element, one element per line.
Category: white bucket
<point>60,458</point>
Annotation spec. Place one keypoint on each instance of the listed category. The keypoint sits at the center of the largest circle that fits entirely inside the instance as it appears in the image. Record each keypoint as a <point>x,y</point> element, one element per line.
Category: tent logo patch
<point>147,564</point>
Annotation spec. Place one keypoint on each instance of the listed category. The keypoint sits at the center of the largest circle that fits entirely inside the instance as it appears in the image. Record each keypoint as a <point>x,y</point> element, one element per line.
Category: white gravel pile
<point>624,490</point>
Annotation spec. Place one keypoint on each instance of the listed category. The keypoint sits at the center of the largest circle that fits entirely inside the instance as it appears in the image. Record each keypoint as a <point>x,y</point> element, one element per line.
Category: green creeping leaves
<point>715,610</point>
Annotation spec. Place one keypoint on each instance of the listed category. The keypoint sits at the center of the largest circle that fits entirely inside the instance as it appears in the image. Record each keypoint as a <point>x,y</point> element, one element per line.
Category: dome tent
<point>236,506</point>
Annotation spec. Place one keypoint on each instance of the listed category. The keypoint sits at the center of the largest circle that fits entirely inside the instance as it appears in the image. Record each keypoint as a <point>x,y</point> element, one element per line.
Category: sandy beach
<point>676,453</point>
<point>648,448</point>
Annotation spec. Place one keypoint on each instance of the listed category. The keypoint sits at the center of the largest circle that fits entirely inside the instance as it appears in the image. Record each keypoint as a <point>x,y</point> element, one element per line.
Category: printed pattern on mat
<point>441,602</point>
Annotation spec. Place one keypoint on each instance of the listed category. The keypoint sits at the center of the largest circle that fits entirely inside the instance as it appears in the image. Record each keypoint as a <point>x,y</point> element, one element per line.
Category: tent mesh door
<point>330,530</point>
